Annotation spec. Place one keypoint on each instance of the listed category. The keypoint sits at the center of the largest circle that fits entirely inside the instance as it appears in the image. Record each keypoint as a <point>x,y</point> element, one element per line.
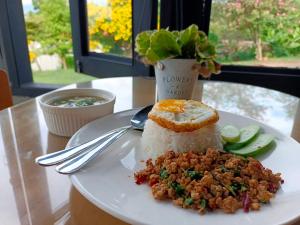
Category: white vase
<point>175,78</point>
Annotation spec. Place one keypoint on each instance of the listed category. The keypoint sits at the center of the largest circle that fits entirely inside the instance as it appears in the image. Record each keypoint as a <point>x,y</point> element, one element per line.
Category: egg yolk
<point>171,105</point>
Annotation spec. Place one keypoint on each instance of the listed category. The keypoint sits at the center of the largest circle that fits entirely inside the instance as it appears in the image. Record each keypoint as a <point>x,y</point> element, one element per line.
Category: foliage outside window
<point>257,31</point>
<point>110,27</point>
<point>48,29</point>
<point>49,40</point>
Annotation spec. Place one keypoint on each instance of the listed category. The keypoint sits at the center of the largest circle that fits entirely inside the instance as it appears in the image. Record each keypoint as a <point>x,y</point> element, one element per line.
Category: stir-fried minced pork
<point>210,180</point>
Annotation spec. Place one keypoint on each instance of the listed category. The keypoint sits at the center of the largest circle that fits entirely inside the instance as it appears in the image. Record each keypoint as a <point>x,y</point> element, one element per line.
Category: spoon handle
<point>82,159</point>
<point>62,155</point>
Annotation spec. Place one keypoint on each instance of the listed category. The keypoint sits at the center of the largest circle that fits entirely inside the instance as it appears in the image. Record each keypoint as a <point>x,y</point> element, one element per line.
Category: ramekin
<point>66,121</point>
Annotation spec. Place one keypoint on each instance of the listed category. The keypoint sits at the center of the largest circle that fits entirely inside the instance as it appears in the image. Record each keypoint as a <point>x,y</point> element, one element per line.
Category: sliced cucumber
<point>223,141</point>
<point>247,134</point>
<point>259,145</point>
<point>230,133</point>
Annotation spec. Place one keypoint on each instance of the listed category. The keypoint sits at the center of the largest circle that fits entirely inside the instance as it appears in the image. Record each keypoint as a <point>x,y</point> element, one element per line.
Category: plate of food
<point>192,165</point>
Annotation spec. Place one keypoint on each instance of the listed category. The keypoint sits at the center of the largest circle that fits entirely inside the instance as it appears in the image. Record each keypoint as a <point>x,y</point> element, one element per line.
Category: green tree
<point>269,24</point>
<point>50,26</point>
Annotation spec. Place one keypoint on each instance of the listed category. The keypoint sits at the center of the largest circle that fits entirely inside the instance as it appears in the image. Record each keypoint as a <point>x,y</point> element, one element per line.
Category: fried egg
<point>183,115</point>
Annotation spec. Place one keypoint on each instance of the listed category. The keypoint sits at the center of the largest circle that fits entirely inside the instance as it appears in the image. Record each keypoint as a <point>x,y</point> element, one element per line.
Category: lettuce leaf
<point>187,41</point>
<point>205,51</point>
<point>163,45</point>
<point>142,42</point>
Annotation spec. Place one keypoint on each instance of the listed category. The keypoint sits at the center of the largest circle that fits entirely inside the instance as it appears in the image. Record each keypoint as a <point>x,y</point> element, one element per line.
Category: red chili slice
<point>140,178</point>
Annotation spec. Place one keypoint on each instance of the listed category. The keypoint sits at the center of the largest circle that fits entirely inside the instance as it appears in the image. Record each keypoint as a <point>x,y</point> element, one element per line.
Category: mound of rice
<point>156,140</point>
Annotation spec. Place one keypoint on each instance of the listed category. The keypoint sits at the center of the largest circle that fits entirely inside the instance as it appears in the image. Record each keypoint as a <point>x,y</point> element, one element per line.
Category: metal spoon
<point>76,163</point>
<point>62,155</point>
<point>137,122</point>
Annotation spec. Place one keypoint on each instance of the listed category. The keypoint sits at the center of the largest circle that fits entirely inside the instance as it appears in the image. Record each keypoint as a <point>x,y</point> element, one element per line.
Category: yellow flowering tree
<point>32,56</point>
<point>110,27</point>
<point>33,53</point>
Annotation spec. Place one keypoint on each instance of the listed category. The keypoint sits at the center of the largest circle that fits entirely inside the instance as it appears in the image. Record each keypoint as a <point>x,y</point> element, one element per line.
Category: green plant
<point>191,43</point>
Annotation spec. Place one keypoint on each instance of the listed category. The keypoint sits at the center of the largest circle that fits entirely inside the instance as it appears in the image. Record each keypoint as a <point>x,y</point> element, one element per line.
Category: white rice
<point>156,140</point>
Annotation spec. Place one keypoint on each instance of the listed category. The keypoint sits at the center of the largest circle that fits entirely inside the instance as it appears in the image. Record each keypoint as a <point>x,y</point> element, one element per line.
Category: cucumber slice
<point>230,133</point>
<point>223,141</point>
<point>247,134</point>
<point>259,145</point>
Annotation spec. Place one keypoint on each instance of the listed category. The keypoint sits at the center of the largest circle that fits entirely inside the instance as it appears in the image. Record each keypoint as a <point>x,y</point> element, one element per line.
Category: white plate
<point>108,181</point>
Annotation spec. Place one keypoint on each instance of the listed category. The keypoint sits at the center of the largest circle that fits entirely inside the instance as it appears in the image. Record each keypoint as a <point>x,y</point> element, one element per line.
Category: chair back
<point>6,99</point>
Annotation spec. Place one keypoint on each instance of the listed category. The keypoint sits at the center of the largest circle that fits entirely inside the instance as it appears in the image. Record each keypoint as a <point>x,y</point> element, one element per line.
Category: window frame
<point>280,79</point>
<point>14,51</point>
<point>106,65</point>
<point>174,18</point>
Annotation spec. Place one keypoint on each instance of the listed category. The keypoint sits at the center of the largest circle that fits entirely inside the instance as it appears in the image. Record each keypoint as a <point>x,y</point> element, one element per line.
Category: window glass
<point>49,41</point>
<point>257,32</point>
<point>110,26</point>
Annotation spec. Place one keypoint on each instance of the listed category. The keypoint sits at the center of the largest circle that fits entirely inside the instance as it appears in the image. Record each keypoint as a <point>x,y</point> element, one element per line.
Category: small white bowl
<point>66,121</point>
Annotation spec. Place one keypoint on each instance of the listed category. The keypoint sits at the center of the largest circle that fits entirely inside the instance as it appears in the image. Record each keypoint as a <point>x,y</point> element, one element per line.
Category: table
<point>34,195</point>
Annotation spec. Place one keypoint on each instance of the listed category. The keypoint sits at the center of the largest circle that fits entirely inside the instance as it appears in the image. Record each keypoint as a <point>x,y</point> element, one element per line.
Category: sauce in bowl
<point>78,101</point>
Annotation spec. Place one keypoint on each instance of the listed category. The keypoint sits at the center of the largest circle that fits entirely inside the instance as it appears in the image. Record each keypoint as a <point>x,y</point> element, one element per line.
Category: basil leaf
<point>163,174</point>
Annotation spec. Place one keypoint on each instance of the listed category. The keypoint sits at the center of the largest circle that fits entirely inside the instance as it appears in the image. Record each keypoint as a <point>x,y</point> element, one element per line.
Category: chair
<point>6,99</point>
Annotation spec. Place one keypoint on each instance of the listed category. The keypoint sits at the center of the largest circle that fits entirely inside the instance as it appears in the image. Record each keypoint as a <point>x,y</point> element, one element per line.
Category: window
<point>15,55</point>
<point>261,47</point>
<point>110,27</point>
<point>257,33</point>
<point>49,40</point>
<point>103,32</point>
<point>259,41</point>
<point>14,49</point>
